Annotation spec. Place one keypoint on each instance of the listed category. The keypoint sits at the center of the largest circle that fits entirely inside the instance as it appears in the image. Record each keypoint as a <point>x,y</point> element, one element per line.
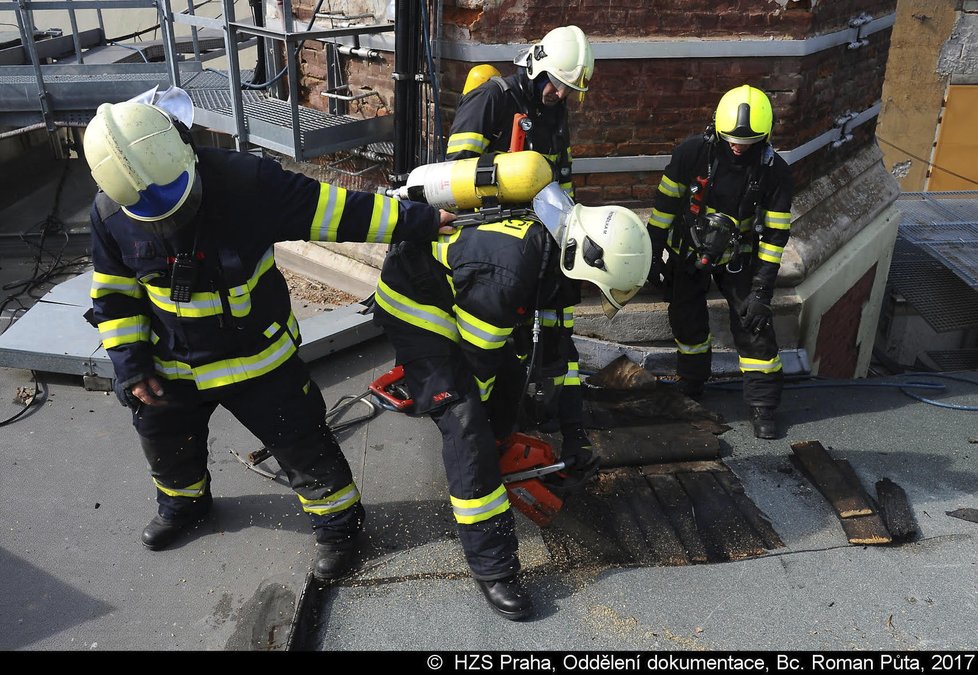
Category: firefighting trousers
<point>689,319</point>
<point>444,389</point>
<point>285,410</point>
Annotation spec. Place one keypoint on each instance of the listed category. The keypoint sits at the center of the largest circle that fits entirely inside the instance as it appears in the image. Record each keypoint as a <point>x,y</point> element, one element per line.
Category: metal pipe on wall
<point>406,87</point>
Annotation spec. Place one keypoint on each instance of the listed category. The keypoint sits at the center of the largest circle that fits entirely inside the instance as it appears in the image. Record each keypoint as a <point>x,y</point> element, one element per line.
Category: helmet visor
<point>159,201</point>
<point>618,299</point>
<point>741,140</point>
<point>552,206</point>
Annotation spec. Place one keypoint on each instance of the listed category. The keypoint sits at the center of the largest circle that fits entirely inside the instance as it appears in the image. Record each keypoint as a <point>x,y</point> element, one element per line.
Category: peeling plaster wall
<point>913,90</point>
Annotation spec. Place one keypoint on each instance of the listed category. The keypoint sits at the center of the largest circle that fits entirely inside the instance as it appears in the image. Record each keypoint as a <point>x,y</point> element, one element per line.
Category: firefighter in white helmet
<point>194,313</point>
<point>723,212</point>
<point>528,110</point>
<point>456,313</point>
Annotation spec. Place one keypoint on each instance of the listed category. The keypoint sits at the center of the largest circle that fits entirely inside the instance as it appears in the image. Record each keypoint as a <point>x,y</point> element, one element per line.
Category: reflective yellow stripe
<point>106,284</point>
<point>329,211</point>
<point>548,317</point>
<point>661,219</point>
<point>428,317</point>
<point>293,326</point>
<point>480,333</point>
<point>471,141</point>
<point>382,220</point>
<point>209,303</point>
<point>760,365</point>
<point>573,376</point>
<point>701,348</point>
<point>671,188</point>
<point>271,330</point>
<point>228,371</point>
<point>485,388</point>
<point>439,248</point>
<point>124,331</point>
<point>468,511</point>
<point>340,500</point>
<point>192,491</point>
<point>770,252</point>
<point>777,220</point>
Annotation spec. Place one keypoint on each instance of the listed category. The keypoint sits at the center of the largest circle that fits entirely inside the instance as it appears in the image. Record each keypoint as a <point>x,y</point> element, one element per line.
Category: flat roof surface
<point>75,495</point>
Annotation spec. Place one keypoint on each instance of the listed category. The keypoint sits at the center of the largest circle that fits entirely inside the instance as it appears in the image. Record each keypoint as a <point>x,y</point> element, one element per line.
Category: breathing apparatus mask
<point>713,235</point>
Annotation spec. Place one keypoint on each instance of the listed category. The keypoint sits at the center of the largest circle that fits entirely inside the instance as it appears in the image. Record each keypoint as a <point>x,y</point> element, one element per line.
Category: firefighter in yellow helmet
<point>194,313</point>
<point>455,313</point>
<point>723,213</point>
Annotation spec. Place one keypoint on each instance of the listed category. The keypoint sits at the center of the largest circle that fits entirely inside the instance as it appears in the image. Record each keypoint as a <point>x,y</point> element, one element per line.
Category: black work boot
<point>764,421</point>
<point>161,532</point>
<point>507,597</point>
<point>691,388</point>
<point>334,559</point>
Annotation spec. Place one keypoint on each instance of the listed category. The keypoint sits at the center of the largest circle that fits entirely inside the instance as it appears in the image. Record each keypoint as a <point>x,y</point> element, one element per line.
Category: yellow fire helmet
<point>744,116</point>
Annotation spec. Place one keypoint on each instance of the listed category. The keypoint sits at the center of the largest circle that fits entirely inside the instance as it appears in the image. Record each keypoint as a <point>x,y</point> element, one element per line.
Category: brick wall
<point>836,350</point>
<point>645,107</point>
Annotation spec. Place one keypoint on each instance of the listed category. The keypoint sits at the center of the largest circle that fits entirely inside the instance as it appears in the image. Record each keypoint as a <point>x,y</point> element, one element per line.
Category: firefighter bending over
<point>723,209</point>
<point>194,313</point>
<point>453,310</point>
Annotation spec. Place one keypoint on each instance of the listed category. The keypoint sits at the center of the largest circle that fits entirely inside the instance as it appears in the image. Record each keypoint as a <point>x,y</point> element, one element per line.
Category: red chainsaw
<point>523,459</point>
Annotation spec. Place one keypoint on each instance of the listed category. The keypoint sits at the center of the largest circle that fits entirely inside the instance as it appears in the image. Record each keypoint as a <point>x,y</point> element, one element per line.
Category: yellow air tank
<point>519,176</point>
<point>479,74</point>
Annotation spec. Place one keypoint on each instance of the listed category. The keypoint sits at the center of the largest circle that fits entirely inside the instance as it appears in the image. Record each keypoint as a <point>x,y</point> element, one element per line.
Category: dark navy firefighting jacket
<point>238,323</point>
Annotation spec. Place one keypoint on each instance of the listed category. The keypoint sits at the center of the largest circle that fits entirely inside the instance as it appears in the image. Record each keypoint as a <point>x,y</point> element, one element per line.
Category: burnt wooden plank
<point>662,541</point>
<point>724,530</point>
<point>675,467</point>
<point>895,509</point>
<point>629,535</point>
<point>654,443</point>
<point>585,530</point>
<point>816,463</point>
<point>762,526</point>
<point>679,510</point>
<point>866,529</point>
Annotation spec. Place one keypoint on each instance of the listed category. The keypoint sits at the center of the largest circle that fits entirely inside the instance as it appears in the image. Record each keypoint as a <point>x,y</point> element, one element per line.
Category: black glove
<point>657,269</point>
<point>756,315</point>
<point>577,453</point>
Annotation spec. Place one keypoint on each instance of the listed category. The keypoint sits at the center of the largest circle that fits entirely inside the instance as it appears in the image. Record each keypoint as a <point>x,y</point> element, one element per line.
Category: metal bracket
<point>842,124</point>
<point>858,22</point>
<point>331,93</point>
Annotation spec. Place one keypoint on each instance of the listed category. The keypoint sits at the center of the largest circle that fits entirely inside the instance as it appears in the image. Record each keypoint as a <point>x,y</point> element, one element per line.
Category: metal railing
<point>66,89</point>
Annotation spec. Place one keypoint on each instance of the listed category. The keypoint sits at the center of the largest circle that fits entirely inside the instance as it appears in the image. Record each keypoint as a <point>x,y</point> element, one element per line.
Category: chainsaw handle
<point>382,388</point>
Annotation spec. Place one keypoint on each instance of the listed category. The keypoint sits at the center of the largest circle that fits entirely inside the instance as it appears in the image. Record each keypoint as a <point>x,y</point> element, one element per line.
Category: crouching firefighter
<point>723,209</point>
<point>452,310</point>
<point>194,313</point>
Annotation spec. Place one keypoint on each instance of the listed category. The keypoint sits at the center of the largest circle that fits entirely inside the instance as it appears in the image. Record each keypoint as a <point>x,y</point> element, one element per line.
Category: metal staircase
<point>49,80</point>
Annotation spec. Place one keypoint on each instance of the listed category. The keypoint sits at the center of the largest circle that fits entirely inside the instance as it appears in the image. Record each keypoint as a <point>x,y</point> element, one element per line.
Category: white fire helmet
<point>565,55</point>
<point>142,160</point>
<point>606,245</point>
